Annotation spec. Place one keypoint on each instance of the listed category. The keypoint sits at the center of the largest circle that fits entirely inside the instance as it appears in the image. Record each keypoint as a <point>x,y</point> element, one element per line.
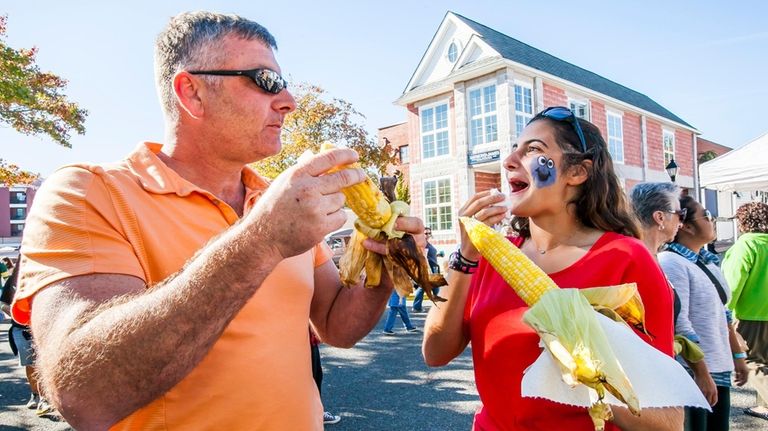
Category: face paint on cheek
<point>544,173</point>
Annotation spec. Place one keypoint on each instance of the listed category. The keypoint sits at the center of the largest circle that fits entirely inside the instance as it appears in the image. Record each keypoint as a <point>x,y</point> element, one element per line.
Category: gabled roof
<point>514,50</point>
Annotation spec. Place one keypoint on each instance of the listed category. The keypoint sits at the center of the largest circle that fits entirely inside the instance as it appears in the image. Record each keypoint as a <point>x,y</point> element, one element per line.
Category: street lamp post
<point>672,170</point>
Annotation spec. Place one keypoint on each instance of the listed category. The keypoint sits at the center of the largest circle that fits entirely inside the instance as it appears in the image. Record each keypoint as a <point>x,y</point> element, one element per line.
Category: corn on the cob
<point>527,279</point>
<point>365,199</point>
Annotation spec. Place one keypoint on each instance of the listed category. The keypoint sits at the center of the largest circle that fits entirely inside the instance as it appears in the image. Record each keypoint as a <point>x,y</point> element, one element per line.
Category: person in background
<point>571,219</point>
<point>317,374</point>
<point>178,253</point>
<point>20,339</point>
<point>657,208</point>
<point>5,268</point>
<point>745,266</point>
<point>703,318</point>
<point>397,307</point>
<point>434,266</point>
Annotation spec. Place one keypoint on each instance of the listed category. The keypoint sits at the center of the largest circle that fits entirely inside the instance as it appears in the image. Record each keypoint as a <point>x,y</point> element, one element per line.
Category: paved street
<point>380,384</point>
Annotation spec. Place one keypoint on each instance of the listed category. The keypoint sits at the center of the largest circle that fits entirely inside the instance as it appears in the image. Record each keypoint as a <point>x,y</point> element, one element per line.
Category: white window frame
<point>668,154</point>
<point>615,141</point>
<point>484,117</point>
<point>407,154</point>
<point>525,116</point>
<point>435,131</point>
<point>584,103</point>
<point>448,205</point>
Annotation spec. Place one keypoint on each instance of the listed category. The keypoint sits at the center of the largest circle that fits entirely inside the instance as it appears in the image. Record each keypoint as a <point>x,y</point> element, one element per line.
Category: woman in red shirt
<point>571,218</point>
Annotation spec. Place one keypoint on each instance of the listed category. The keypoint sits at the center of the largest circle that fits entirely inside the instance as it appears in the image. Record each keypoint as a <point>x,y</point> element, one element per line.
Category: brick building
<point>14,205</point>
<point>473,92</point>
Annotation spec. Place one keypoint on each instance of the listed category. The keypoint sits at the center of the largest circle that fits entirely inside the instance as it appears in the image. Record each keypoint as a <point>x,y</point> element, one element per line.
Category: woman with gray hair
<point>658,210</point>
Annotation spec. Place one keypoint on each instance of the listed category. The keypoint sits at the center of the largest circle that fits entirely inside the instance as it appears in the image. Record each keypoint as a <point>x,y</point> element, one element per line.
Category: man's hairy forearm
<point>102,361</point>
<point>355,312</point>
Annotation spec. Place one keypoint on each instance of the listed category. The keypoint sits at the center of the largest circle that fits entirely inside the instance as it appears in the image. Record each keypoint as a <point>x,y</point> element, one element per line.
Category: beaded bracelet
<point>457,262</point>
<point>740,355</point>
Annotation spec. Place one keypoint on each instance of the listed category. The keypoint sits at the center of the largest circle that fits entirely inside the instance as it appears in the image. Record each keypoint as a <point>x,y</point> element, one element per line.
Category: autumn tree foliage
<point>320,118</point>
<point>32,102</point>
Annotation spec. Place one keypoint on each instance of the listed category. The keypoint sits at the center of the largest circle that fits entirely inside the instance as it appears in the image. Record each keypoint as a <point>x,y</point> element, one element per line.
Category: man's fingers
<point>333,183</point>
<point>412,225</point>
<point>319,164</point>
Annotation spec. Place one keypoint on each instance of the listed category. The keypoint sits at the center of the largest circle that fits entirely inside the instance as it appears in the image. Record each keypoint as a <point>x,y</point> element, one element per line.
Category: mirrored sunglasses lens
<point>270,81</point>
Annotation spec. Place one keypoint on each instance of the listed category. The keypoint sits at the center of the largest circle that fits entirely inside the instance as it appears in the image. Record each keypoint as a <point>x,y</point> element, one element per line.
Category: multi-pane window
<point>615,137</point>
<point>18,213</point>
<point>434,131</point>
<point>482,116</point>
<point>523,107</point>
<point>18,197</point>
<point>579,109</point>
<point>437,204</point>
<point>402,152</point>
<point>17,229</point>
<point>669,146</point>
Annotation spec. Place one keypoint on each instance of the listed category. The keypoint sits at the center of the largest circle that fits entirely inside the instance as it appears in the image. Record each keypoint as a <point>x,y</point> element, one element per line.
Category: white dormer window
<point>453,52</point>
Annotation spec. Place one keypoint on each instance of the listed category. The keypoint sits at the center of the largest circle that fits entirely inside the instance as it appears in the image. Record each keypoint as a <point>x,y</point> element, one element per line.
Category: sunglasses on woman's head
<point>561,113</point>
<point>267,79</point>
<point>680,213</point>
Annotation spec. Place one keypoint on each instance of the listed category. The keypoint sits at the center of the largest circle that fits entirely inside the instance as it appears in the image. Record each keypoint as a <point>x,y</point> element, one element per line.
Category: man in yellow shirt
<point>153,284</point>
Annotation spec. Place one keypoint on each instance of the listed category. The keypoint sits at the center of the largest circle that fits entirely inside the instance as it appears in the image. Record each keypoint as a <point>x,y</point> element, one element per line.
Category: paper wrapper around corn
<point>572,331</point>
<point>376,218</point>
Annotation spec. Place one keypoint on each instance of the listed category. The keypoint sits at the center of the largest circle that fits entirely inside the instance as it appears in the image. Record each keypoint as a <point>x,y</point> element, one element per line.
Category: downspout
<point>644,144</point>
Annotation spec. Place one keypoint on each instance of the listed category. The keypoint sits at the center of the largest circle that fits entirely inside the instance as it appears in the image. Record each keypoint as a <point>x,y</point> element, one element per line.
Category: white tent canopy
<point>743,169</point>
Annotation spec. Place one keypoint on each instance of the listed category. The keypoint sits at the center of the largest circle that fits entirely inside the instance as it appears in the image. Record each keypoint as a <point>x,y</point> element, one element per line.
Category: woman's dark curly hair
<point>601,204</point>
<point>753,217</point>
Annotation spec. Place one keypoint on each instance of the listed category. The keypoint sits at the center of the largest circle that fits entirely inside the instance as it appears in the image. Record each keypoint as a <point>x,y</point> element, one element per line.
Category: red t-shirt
<point>503,346</point>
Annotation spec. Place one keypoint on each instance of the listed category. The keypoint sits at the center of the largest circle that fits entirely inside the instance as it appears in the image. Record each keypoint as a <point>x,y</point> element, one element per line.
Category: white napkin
<point>658,380</point>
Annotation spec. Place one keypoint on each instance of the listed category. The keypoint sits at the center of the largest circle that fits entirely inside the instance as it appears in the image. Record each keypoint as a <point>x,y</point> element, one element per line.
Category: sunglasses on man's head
<point>268,80</point>
<point>561,113</point>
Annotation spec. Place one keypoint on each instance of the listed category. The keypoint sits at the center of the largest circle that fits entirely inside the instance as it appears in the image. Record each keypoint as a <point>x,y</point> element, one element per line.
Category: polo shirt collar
<point>156,177</point>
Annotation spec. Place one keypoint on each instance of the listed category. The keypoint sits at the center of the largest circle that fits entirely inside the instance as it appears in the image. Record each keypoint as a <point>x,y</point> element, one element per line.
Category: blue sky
<point>706,61</point>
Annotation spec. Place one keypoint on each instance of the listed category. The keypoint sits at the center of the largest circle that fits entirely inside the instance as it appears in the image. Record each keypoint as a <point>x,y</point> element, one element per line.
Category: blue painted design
<point>544,173</point>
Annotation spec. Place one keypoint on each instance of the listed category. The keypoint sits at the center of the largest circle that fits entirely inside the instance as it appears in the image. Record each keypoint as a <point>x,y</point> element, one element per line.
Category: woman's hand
<point>741,374</point>
<point>707,385</point>
<point>483,206</point>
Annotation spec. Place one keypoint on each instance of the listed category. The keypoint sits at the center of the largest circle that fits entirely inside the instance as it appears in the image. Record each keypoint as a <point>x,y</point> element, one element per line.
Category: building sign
<point>484,157</point>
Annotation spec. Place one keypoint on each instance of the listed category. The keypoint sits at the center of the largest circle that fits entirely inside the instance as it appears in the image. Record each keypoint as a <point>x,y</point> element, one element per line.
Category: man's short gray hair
<point>647,198</point>
<point>192,40</point>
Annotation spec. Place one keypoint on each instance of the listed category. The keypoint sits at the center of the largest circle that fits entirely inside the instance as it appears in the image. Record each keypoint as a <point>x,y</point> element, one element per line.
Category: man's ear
<point>189,91</point>
<point>578,174</point>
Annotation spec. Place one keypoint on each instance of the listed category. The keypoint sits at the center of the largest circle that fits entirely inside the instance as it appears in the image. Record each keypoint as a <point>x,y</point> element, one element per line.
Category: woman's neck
<point>653,240</point>
<point>691,244</point>
<point>548,233</point>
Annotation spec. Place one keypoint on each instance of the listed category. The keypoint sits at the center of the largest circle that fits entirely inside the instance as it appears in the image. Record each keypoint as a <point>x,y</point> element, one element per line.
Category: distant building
<point>471,95</point>
<point>14,206</point>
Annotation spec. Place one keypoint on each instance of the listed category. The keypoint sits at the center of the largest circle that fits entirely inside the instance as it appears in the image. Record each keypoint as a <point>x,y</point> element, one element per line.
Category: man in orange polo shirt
<point>151,283</point>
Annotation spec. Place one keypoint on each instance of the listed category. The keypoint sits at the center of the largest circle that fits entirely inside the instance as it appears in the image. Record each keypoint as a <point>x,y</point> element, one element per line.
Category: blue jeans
<point>393,312</point>
<point>418,297</point>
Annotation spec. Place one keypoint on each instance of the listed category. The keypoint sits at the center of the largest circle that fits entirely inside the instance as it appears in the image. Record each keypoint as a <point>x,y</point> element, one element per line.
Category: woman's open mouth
<point>516,186</point>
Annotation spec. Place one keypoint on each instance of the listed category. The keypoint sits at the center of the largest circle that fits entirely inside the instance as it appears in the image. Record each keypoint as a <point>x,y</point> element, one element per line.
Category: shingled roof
<point>514,50</point>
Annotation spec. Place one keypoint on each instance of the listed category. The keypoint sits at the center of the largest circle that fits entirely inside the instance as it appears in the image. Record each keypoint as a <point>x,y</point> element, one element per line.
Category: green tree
<point>31,101</point>
<point>11,174</point>
<point>707,156</point>
<point>318,118</point>
<point>402,191</point>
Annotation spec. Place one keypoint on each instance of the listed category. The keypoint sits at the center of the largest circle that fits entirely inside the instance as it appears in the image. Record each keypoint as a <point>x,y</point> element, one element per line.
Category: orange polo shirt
<point>138,217</point>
